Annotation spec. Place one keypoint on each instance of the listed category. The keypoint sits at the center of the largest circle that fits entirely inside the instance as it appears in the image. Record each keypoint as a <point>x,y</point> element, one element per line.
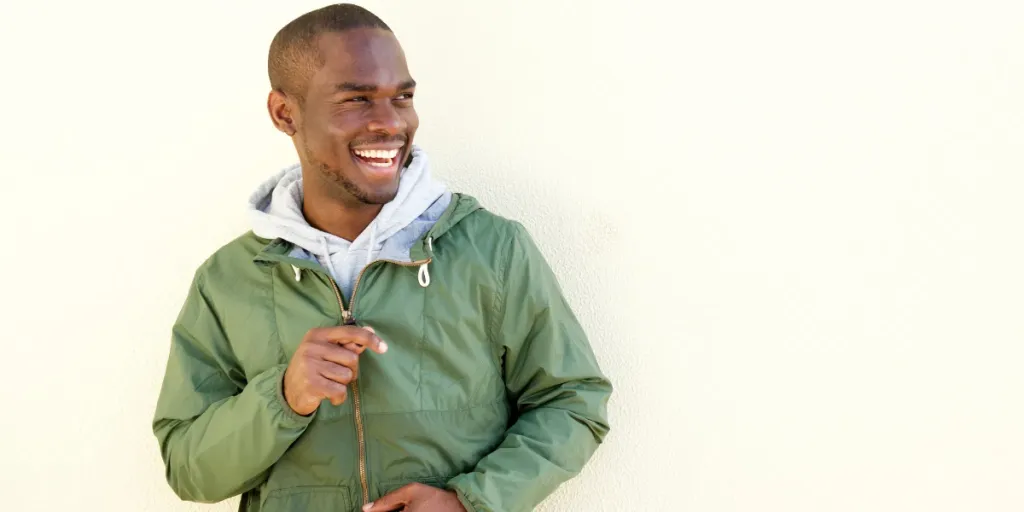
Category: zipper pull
<point>346,317</point>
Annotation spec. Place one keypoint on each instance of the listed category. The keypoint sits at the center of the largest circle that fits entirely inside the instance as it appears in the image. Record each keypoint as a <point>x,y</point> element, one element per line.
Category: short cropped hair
<point>294,55</point>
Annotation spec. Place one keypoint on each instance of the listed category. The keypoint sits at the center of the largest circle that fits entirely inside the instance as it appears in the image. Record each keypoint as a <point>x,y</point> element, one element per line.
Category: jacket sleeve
<point>218,434</point>
<point>553,380</point>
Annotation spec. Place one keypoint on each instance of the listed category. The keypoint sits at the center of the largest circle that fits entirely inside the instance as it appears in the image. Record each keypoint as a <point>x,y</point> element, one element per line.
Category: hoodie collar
<point>461,206</point>
<point>275,210</point>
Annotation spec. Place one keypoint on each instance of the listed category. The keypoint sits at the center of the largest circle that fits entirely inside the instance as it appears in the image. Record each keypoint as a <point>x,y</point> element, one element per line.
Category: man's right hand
<point>325,363</point>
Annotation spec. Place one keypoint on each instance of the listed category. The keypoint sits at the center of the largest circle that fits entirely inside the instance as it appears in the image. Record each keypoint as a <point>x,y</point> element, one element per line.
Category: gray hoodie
<point>275,210</point>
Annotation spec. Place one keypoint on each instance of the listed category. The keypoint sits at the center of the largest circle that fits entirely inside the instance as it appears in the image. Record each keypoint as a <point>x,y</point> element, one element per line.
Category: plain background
<point>792,228</point>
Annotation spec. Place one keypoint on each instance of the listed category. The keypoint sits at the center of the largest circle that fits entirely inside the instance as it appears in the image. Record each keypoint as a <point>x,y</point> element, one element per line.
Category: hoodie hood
<point>275,211</point>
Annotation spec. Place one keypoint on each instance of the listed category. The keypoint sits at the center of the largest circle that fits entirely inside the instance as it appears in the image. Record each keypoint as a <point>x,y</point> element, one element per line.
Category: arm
<point>553,378</point>
<point>218,434</point>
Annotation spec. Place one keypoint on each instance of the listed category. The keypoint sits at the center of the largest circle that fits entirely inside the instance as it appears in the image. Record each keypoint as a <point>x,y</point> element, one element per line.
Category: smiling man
<point>376,342</point>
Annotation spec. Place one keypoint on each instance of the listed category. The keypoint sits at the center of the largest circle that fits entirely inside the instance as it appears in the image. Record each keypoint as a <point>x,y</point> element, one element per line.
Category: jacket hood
<point>275,212</point>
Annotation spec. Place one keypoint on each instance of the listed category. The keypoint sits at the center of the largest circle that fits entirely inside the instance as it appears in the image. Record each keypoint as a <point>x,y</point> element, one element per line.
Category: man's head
<point>343,92</point>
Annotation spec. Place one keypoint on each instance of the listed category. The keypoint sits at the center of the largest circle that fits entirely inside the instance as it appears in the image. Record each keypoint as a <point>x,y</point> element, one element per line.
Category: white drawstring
<point>424,276</point>
<point>328,262</point>
<point>424,273</point>
<point>373,241</point>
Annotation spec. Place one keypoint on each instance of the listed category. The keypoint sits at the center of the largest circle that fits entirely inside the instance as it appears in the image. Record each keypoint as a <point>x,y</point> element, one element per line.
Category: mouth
<point>378,160</point>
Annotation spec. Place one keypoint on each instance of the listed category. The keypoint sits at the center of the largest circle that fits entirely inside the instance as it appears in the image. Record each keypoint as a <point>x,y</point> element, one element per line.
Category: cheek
<point>330,139</point>
<point>411,120</point>
<point>344,125</point>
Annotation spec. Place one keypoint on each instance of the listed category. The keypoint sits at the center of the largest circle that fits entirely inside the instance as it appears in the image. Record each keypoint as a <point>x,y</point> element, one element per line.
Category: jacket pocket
<point>306,499</point>
<point>393,485</point>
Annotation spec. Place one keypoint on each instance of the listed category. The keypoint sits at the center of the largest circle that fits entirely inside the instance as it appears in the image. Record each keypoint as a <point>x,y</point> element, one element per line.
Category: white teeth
<point>377,153</point>
<point>381,164</point>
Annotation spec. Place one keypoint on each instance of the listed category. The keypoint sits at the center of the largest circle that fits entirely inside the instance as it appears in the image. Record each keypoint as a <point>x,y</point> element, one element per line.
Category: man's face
<point>357,123</point>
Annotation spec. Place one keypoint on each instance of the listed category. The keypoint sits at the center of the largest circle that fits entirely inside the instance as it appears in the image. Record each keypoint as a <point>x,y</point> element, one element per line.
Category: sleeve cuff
<point>467,502</point>
<point>270,384</point>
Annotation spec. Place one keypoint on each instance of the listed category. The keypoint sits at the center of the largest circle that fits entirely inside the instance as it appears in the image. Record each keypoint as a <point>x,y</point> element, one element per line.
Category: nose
<point>384,119</point>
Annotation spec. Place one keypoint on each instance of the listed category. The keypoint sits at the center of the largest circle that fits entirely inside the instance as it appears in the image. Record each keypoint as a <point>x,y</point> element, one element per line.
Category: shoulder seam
<point>501,291</point>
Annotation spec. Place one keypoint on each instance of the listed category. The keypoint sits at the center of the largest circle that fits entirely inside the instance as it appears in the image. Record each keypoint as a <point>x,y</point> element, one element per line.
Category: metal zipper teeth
<point>346,317</point>
<point>362,444</point>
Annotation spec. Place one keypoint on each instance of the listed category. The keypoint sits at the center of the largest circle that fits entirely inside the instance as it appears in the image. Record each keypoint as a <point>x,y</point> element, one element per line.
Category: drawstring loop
<point>424,276</point>
<point>424,273</point>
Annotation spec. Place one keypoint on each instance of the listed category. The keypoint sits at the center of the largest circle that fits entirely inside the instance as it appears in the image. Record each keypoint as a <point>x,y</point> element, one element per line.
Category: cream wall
<point>792,228</point>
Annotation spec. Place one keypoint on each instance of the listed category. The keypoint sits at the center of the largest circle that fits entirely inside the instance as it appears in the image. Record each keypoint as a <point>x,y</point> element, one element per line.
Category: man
<point>376,342</point>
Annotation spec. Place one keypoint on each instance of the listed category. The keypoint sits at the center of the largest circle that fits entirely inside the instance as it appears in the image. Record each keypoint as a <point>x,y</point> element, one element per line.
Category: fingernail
<point>368,328</point>
<point>368,506</point>
<point>383,347</point>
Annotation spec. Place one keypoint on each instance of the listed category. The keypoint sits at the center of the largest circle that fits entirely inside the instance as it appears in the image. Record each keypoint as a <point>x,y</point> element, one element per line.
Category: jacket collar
<point>278,250</point>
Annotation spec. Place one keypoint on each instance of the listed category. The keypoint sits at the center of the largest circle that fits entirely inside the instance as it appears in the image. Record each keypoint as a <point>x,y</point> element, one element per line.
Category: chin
<point>380,197</point>
<point>379,194</point>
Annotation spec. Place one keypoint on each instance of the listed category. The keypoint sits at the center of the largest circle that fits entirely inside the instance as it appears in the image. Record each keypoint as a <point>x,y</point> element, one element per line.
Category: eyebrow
<point>354,87</point>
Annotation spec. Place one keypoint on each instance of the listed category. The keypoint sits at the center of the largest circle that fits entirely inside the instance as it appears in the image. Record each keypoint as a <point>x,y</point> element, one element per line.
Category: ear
<point>283,110</point>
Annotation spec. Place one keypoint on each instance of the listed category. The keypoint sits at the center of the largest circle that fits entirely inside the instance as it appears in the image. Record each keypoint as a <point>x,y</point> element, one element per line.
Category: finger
<point>336,372</point>
<point>381,344</point>
<point>330,390</point>
<point>347,334</point>
<point>392,501</point>
<point>337,355</point>
<point>352,347</point>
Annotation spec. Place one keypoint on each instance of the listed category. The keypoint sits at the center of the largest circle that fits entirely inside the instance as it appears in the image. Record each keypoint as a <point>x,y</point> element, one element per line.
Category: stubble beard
<point>337,176</point>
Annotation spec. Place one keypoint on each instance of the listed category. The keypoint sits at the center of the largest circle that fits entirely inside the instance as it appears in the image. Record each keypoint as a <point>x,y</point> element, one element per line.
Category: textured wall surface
<point>793,231</point>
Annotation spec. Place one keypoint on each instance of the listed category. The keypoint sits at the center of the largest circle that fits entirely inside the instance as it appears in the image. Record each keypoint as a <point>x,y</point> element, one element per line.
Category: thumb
<point>392,501</point>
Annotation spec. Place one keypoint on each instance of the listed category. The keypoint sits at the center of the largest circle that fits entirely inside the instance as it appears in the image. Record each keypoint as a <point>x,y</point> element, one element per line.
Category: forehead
<point>363,56</point>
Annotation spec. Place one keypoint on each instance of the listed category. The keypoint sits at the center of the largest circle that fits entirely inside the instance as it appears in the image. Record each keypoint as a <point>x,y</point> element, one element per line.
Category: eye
<point>404,96</point>
<point>357,99</point>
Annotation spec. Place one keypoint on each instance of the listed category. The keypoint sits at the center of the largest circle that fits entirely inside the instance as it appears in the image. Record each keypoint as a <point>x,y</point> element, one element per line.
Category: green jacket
<point>489,388</point>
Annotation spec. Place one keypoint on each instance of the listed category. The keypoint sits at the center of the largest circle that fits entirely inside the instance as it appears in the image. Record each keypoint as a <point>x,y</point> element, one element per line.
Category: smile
<point>381,158</point>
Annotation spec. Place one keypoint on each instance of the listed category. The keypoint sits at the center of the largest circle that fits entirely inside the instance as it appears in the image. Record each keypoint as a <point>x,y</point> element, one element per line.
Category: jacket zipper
<point>346,318</point>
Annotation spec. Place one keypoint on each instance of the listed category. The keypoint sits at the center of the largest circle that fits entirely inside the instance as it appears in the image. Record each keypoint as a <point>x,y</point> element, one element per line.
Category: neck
<point>342,217</point>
